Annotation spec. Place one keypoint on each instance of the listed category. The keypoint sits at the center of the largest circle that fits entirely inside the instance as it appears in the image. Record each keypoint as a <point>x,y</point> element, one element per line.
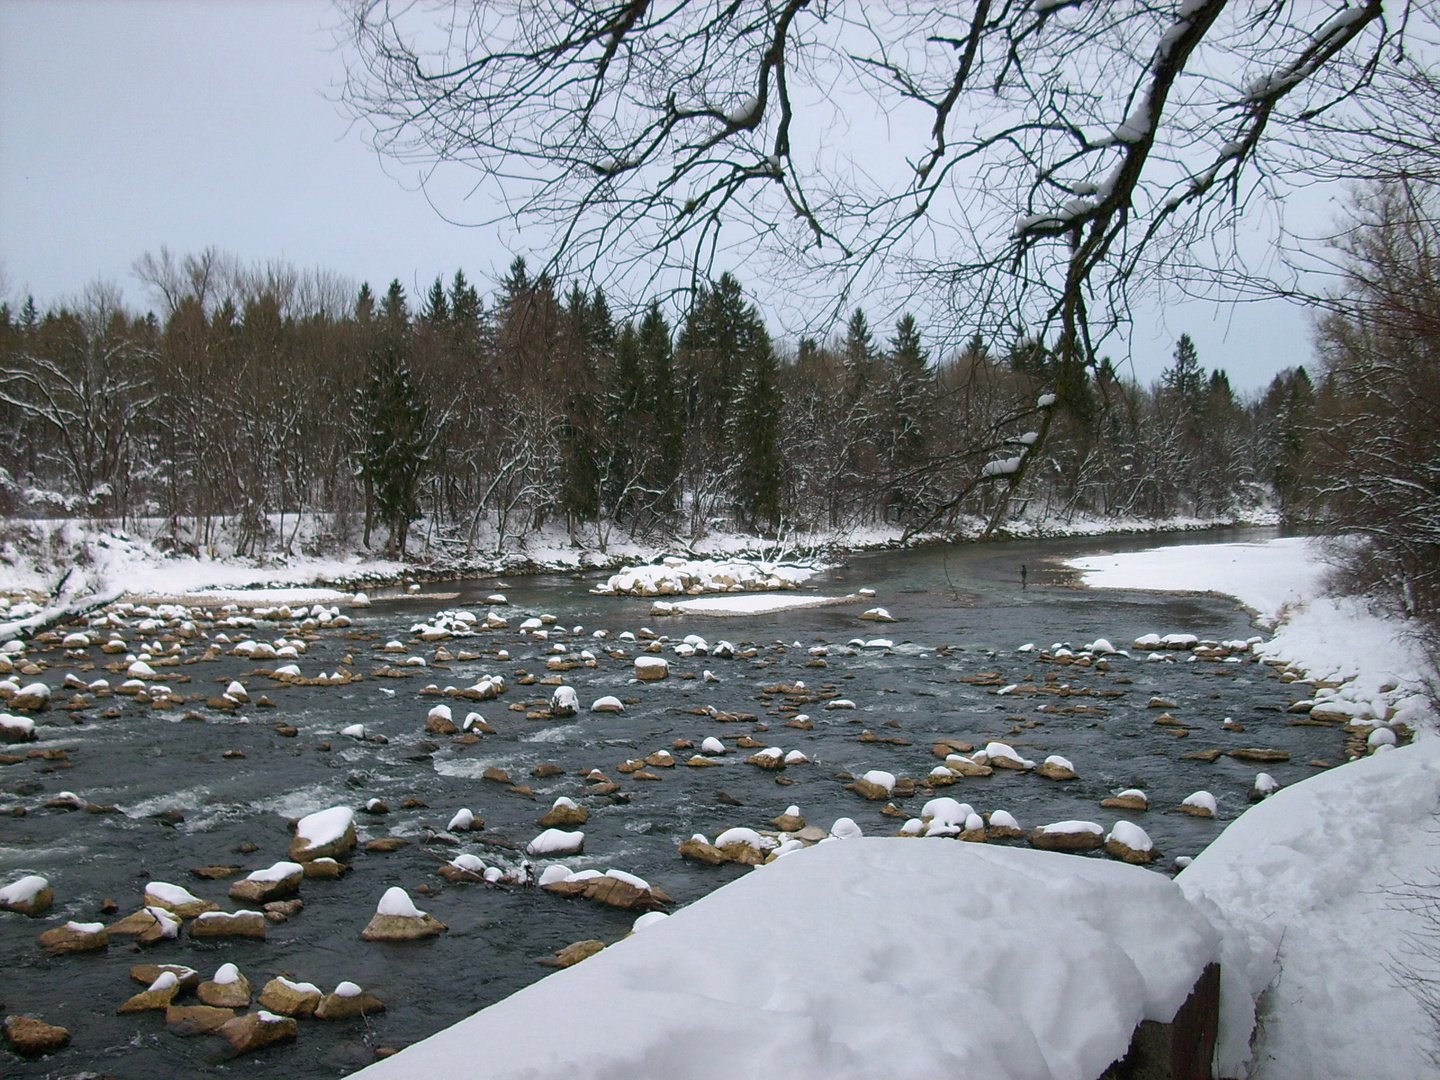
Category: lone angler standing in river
<point>1024,575</point>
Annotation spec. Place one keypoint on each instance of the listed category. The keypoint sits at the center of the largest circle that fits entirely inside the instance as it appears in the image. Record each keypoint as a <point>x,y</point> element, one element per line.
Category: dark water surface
<point>966,597</point>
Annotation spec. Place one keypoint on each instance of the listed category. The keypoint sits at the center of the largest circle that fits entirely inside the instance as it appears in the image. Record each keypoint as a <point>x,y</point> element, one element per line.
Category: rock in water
<point>573,953</point>
<point>1056,767</point>
<point>398,919</point>
<point>74,937</point>
<point>324,834</point>
<point>177,900</point>
<point>30,895</point>
<point>1068,836</point>
<point>186,1020</point>
<point>31,1038</point>
<point>146,974</point>
<point>158,996</point>
<point>287,998</point>
<point>1129,799</point>
<point>565,814</point>
<point>348,1000</point>
<point>257,1030</point>
<point>214,924</point>
<point>273,883</point>
<point>1130,843</point>
<point>228,990</point>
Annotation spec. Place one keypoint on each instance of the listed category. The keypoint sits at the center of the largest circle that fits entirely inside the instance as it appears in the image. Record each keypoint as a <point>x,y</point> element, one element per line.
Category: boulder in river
<point>398,919</point>
<point>257,1030</point>
<point>348,1000</point>
<point>280,995</point>
<point>273,883</point>
<point>217,924</point>
<point>323,834</point>
<point>29,1037</point>
<point>176,900</point>
<point>227,990</point>
<point>1068,836</point>
<point>74,937</point>
<point>29,895</point>
<point>187,1020</point>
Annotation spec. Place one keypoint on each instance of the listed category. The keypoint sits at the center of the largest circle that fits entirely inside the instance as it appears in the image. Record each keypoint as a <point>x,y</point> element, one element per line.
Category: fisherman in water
<point>1024,575</point>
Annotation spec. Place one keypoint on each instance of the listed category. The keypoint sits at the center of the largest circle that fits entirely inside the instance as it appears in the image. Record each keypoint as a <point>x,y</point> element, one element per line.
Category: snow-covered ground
<point>1315,879</point>
<point>857,958</point>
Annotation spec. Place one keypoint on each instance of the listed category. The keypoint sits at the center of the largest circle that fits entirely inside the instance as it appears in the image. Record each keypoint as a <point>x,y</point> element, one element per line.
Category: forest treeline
<point>255,398</point>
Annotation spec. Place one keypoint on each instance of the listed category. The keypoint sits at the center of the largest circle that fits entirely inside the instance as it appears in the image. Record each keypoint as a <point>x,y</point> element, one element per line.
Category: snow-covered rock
<point>398,919</point>
<point>323,834</point>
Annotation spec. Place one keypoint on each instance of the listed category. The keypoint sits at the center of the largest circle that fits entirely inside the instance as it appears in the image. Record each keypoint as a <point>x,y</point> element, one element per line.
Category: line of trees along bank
<point>254,402</point>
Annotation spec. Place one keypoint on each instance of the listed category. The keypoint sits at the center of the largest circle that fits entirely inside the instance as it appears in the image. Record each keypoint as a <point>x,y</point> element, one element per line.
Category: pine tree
<point>860,356</point>
<point>394,453</point>
<point>395,310</point>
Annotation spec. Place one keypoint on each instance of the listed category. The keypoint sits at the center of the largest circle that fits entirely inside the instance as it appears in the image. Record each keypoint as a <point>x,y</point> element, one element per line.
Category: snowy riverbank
<point>35,552</point>
<point>1320,878</point>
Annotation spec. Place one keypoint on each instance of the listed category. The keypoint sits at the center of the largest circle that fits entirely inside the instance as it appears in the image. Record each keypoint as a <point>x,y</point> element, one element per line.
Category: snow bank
<point>1309,877</point>
<point>1265,576</point>
<point>912,970</point>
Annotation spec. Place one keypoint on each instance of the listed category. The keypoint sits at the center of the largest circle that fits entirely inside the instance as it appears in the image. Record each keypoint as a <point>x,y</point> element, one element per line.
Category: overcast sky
<point>129,124</point>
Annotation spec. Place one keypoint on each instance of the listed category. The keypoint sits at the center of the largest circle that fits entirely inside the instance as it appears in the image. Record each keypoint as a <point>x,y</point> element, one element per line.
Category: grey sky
<point>128,125</point>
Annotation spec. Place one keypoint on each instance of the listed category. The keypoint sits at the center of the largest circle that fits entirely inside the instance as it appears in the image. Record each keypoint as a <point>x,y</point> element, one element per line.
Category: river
<point>967,597</point>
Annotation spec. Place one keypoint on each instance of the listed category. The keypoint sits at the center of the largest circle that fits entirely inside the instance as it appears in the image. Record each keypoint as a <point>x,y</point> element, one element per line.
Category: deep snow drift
<point>854,957</point>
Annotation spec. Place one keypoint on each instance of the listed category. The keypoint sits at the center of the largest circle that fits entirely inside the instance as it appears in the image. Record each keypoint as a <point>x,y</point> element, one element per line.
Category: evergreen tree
<point>859,356</point>
<point>394,453</point>
<point>667,425</point>
<point>365,305</point>
<point>395,310</point>
<point>1185,379</point>
<point>437,306</point>
<point>755,440</point>
<point>722,335</point>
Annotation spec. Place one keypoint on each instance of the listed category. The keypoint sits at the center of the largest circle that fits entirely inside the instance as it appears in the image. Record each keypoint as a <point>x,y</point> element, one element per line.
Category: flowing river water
<point>967,597</point>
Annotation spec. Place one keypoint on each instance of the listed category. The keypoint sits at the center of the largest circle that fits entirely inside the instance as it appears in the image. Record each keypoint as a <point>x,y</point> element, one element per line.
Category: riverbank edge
<point>108,558</point>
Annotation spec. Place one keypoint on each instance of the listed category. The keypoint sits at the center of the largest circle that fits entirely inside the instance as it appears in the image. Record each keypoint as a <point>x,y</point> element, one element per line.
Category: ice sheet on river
<point>909,957</point>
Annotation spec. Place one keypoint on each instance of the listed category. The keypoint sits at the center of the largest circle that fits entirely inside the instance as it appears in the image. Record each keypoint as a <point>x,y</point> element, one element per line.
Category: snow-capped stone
<point>227,989</point>
<point>1200,804</point>
<point>325,833</point>
<point>845,829</point>
<point>608,703</point>
<point>346,1001</point>
<point>651,668</point>
<point>257,1030</point>
<point>29,895</point>
<point>287,998</point>
<point>398,919</point>
<point>74,937</point>
<point>1068,836</point>
<point>272,883</point>
<point>15,729</point>
<point>464,821</point>
<point>216,924</point>
<point>556,842</point>
<point>1056,767</point>
<point>564,701</point>
<point>1129,799</point>
<point>565,813</point>
<point>176,899</point>
<point>1130,843</point>
<point>1264,786</point>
